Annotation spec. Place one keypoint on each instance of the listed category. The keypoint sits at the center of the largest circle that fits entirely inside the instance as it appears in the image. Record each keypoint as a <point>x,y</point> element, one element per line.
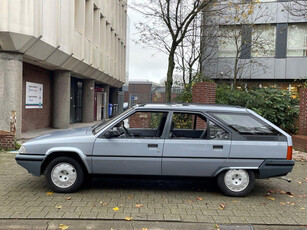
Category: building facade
<point>259,40</point>
<point>61,62</point>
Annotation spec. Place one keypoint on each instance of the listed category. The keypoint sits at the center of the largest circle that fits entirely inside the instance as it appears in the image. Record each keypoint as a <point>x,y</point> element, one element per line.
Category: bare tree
<point>167,24</point>
<point>188,54</point>
<point>296,8</point>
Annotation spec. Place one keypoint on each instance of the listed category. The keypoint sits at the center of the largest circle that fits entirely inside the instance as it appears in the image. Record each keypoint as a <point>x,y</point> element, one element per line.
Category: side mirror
<point>111,133</point>
<point>108,134</point>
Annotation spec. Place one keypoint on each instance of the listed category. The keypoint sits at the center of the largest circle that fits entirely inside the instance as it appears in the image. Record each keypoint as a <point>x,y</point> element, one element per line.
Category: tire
<point>64,175</point>
<point>236,182</point>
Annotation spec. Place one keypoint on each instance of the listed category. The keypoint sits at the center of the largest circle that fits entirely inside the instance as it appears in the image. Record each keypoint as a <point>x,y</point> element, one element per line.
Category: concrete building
<point>270,43</point>
<point>61,62</point>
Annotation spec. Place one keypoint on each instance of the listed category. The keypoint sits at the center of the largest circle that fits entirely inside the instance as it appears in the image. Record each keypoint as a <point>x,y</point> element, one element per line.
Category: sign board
<point>134,98</point>
<point>34,95</point>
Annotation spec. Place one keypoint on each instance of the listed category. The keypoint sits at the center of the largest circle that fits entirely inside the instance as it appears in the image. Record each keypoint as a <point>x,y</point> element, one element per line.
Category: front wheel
<point>236,182</point>
<point>64,174</point>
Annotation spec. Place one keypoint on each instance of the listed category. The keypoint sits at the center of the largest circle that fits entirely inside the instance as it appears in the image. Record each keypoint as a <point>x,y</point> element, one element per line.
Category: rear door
<point>195,146</point>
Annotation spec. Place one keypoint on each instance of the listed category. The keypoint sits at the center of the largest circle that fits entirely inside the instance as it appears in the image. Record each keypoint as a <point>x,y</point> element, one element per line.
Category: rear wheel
<point>64,174</point>
<point>236,182</point>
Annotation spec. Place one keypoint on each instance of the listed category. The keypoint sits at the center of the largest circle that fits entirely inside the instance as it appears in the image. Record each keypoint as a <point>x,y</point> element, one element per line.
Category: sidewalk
<point>129,225</point>
<point>39,132</point>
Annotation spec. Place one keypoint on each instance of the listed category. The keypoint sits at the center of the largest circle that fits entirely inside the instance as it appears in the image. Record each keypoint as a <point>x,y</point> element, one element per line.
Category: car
<point>233,144</point>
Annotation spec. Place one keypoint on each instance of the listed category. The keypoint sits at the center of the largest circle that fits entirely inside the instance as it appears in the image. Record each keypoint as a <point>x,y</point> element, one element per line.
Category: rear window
<point>246,124</point>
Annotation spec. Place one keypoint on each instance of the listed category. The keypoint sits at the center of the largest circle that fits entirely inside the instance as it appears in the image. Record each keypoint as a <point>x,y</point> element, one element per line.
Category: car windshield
<point>246,124</point>
<point>98,127</point>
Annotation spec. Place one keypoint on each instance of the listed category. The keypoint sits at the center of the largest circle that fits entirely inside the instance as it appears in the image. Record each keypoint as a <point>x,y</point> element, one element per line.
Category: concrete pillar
<point>114,96</point>
<point>88,100</point>
<point>107,96</point>
<point>11,91</point>
<point>61,99</point>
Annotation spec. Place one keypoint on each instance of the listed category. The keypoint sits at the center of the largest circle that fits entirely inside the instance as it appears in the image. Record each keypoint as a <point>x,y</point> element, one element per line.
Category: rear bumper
<point>32,163</point>
<point>275,168</point>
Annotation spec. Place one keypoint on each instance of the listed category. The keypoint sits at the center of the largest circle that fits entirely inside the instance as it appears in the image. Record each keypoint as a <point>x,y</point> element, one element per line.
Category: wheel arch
<point>222,169</point>
<point>60,152</point>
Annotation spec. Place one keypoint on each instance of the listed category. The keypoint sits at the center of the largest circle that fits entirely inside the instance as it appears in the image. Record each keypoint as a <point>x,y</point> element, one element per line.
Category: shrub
<point>276,105</point>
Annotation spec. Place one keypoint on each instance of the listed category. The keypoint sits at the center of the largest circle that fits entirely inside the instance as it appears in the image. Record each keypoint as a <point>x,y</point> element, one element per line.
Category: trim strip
<point>177,157</point>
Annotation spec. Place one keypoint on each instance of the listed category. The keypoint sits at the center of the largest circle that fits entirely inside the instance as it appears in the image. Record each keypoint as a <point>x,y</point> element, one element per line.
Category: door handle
<point>218,146</point>
<point>152,145</point>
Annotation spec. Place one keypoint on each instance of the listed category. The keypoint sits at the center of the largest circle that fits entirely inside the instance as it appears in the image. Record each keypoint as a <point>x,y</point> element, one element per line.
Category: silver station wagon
<point>233,144</point>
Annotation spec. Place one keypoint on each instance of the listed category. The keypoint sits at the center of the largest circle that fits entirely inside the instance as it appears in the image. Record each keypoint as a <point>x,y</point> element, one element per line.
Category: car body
<point>234,144</point>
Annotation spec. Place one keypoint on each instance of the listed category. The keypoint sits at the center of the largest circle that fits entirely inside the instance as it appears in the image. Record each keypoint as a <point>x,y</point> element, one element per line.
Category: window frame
<point>248,114</point>
<point>162,136</point>
<point>296,49</point>
<point>206,115</point>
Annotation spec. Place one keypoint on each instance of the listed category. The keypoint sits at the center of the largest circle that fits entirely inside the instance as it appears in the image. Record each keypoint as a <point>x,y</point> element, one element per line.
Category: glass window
<point>195,126</point>
<point>246,124</point>
<point>229,41</point>
<point>140,125</point>
<point>263,41</point>
<point>297,40</point>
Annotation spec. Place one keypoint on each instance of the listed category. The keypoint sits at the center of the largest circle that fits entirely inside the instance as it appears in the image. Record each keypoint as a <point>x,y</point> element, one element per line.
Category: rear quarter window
<point>246,124</point>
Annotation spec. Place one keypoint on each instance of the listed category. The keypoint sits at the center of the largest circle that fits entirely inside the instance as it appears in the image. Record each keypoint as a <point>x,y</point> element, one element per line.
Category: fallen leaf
<point>291,196</point>
<point>63,227</point>
<point>234,201</point>
<point>58,206</point>
<point>282,203</point>
<point>116,209</point>
<point>139,205</point>
<point>300,182</point>
<point>270,198</point>
<point>68,198</point>
<point>144,228</point>
<point>121,205</point>
<point>289,193</point>
<point>128,218</point>
<point>282,192</point>
<point>104,203</point>
<point>130,197</point>
<point>49,193</point>
<point>302,208</point>
<point>199,198</point>
<point>305,178</point>
<point>271,191</point>
<point>222,206</point>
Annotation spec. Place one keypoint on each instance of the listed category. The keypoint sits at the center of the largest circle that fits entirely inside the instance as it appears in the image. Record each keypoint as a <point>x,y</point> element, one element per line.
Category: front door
<point>195,146</point>
<point>135,147</point>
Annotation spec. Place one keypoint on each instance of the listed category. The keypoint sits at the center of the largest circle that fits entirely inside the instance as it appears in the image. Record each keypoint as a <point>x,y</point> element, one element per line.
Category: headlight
<point>22,149</point>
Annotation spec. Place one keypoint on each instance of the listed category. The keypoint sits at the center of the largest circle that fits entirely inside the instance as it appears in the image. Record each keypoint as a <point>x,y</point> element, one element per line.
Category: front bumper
<point>275,168</point>
<point>32,163</point>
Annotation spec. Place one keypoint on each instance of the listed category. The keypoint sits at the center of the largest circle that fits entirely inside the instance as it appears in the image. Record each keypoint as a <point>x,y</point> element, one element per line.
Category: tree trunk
<point>169,79</point>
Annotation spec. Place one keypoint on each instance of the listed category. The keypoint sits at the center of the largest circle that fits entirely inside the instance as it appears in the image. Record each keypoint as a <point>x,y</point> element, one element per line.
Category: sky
<point>144,64</point>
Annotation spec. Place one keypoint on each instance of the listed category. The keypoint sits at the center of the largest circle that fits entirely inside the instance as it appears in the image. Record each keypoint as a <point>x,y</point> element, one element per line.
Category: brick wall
<point>300,140</point>
<point>303,112</point>
<point>204,93</point>
<point>140,120</point>
<point>7,140</point>
<point>36,118</point>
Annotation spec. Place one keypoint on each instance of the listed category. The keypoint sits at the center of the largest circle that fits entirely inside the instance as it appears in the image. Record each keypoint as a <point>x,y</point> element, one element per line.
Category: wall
<point>36,118</point>
<point>204,93</point>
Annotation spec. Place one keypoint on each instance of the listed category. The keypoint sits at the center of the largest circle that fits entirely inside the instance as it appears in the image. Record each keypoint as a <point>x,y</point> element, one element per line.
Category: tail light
<point>289,153</point>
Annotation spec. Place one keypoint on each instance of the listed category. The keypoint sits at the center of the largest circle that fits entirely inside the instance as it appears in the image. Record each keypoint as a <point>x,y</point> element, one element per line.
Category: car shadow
<point>151,183</point>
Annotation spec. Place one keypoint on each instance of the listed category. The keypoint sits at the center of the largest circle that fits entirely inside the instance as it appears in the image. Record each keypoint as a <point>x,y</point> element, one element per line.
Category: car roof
<point>191,107</point>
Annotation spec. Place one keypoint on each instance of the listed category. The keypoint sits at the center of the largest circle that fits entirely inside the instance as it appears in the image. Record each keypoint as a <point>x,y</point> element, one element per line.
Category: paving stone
<point>188,218</point>
<point>24,196</point>
<point>171,217</point>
